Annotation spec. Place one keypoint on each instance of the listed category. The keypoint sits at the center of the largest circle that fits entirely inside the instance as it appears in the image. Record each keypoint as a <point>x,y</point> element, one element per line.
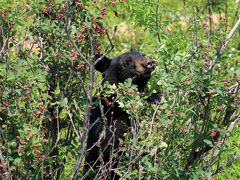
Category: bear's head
<point>132,64</point>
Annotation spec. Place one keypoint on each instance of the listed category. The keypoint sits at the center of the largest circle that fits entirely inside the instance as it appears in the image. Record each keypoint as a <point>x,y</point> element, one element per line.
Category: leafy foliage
<point>47,83</point>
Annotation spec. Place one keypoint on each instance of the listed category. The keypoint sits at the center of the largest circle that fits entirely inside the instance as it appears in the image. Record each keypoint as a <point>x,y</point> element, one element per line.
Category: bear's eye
<point>129,60</point>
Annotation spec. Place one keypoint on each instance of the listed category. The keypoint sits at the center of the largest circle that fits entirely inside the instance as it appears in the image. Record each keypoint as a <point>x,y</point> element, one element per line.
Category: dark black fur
<point>108,127</point>
<point>124,66</point>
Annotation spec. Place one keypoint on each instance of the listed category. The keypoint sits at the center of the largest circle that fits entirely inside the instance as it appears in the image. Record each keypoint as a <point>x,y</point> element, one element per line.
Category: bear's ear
<point>133,49</point>
<point>129,62</point>
<point>103,64</point>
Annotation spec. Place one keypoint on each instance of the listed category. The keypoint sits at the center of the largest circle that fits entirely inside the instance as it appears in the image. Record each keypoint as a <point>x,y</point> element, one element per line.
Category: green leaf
<point>10,75</point>
<point>64,102</point>
<point>63,113</point>
<point>57,90</point>
<point>128,83</point>
<point>121,104</point>
<point>17,161</point>
<point>208,142</point>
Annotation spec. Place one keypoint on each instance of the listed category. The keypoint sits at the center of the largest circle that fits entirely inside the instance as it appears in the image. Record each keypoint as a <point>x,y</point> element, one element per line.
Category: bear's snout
<point>150,65</point>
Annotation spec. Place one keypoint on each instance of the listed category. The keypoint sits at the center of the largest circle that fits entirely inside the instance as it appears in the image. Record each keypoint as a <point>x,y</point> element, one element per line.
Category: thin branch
<point>195,35</point>
<point>89,99</point>
<point>229,36</point>
<point>20,42</point>
<point>232,125</point>
<point>68,23</point>
<point>157,25</point>
<point>107,50</point>
<point>228,164</point>
<point>85,126</point>
<point>4,50</point>
<point>225,43</point>
<point>71,120</point>
<point>153,118</point>
<point>40,60</point>
<point>233,158</point>
<point>3,43</point>
<point>58,133</point>
<point>236,14</point>
<point>181,66</point>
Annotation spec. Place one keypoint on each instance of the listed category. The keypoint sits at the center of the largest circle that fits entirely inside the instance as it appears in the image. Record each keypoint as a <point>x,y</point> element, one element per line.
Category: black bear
<point>108,122</point>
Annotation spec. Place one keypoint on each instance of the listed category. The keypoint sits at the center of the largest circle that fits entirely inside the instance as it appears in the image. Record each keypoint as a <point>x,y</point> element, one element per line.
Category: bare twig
<point>2,43</point>
<point>3,48</point>
<point>89,94</point>
<point>195,36</point>
<point>20,42</point>
<point>71,120</point>
<point>58,132</point>
<point>233,123</point>
<point>217,150</point>
<point>233,158</point>
<point>228,164</point>
<point>153,118</point>
<point>181,66</point>
<point>68,23</point>
<point>107,50</point>
<point>226,15</point>
<point>40,60</point>
<point>224,45</point>
<point>86,124</point>
<point>157,25</point>
<point>229,36</point>
<point>236,14</point>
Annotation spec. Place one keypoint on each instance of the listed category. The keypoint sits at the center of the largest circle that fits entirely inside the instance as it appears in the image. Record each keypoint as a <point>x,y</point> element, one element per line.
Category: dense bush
<point>47,83</point>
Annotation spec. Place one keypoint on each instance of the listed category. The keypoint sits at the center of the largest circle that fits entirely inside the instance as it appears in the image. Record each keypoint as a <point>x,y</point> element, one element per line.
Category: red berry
<point>30,135</point>
<point>20,149</point>
<point>59,16</point>
<point>226,83</point>
<point>42,108</point>
<point>57,54</point>
<point>47,10</point>
<point>14,37</point>
<point>207,62</point>
<point>73,55</point>
<point>103,11</point>
<point>79,37</point>
<point>36,152</point>
<point>113,2</point>
<point>6,103</point>
<point>42,157</point>
<point>213,133</point>
<point>78,3</point>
